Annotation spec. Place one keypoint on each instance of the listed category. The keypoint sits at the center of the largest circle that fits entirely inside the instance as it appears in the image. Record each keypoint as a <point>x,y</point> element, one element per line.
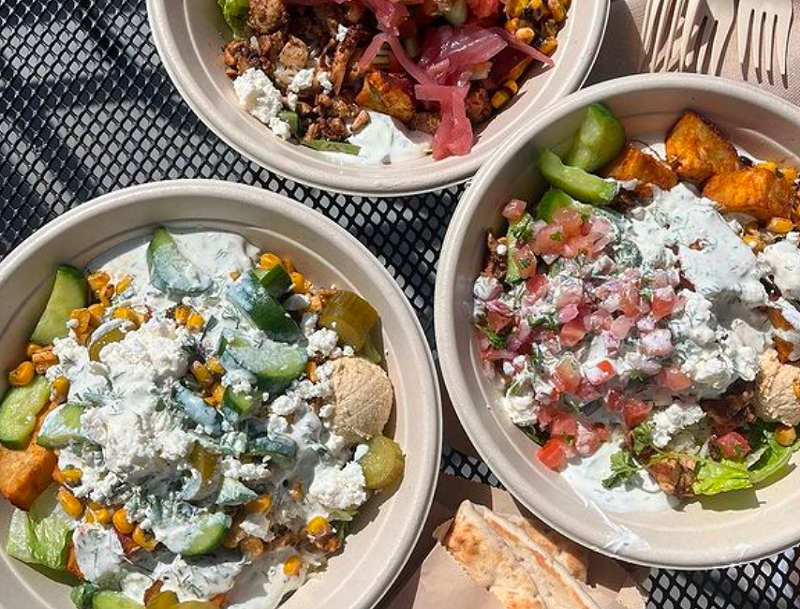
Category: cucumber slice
<point>61,426</point>
<point>233,492</point>
<point>600,139</point>
<point>281,448</point>
<point>19,409</point>
<point>253,300</point>
<point>211,528</point>
<point>170,271</point>
<point>81,596</point>
<point>275,365</point>
<point>237,403</point>
<point>105,599</point>
<point>575,181</point>
<point>384,463</point>
<point>350,316</point>
<point>276,281</point>
<point>69,292</point>
<point>198,411</point>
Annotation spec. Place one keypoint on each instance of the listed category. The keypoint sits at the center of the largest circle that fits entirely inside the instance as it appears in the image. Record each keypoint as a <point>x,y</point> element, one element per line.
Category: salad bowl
<point>376,548</point>
<point>190,37</point>
<point>708,531</point>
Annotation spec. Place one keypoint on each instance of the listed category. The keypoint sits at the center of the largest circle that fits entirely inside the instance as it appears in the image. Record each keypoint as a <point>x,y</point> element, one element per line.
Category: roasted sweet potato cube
<point>388,93</point>
<point>755,191</point>
<point>633,164</point>
<point>25,473</point>
<point>696,150</point>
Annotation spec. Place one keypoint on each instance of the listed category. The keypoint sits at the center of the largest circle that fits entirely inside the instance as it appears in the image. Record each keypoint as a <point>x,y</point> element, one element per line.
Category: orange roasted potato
<point>633,164</point>
<point>387,93</point>
<point>754,191</point>
<point>24,474</point>
<point>696,150</point>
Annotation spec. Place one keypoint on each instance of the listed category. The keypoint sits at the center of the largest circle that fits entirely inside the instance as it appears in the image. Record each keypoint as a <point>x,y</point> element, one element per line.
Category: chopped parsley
<point>496,340</point>
<point>642,437</point>
<point>537,435</point>
<point>548,322</point>
<point>623,468</point>
<point>557,236</point>
<point>522,229</point>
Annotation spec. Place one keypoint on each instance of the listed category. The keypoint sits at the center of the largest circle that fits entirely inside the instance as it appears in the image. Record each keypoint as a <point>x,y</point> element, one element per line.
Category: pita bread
<point>489,561</point>
<point>554,583</point>
<point>573,557</point>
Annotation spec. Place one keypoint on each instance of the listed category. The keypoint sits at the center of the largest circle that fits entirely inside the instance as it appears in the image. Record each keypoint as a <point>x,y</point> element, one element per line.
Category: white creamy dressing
<point>99,553</point>
<point>783,259</point>
<point>641,494</point>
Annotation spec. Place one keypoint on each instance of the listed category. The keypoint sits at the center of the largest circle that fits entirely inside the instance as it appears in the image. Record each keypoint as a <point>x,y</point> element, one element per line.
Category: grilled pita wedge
<point>555,584</point>
<point>574,558</point>
<point>490,562</point>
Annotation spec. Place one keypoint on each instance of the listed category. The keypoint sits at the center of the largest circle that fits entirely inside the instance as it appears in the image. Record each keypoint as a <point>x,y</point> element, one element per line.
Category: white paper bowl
<point>189,35</point>
<point>725,530</point>
<point>388,527</point>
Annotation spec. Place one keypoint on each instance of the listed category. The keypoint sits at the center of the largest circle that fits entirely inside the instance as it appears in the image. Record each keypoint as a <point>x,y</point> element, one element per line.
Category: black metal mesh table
<point>86,108</point>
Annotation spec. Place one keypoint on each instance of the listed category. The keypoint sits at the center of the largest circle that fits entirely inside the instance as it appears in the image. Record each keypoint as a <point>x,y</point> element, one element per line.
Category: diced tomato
<point>598,320</point>
<point>549,240</point>
<point>564,425</point>
<point>484,8</point>
<point>497,321</point>
<point>629,301</point>
<point>621,326</point>
<point>568,313</point>
<point>567,374</point>
<point>526,261</point>
<point>570,293</point>
<point>572,333</point>
<point>602,372</point>
<point>663,303</point>
<point>589,439</point>
<point>570,220</point>
<point>514,209</point>
<point>553,454</point>
<point>614,400</point>
<point>732,445</point>
<point>537,286</point>
<point>634,411</point>
<point>674,380</point>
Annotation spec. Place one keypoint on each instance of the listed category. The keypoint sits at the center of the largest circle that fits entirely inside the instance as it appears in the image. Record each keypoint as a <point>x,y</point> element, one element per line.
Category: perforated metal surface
<point>85,108</point>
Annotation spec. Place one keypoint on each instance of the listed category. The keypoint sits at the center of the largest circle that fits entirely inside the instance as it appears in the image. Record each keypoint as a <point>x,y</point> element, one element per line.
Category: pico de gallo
<point>641,317</point>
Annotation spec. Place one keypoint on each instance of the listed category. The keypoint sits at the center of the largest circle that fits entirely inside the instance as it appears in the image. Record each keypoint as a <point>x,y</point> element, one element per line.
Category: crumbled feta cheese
<point>291,100</point>
<point>233,468</point>
<point>286,404</point>
<point>239,380</point>
<point>677,416</point>
<point>302,80</point>
<point>309,323</point>
<point>338,489</point>
<point>360,451</point>
<point>257,95</point>
<point>521,409</point>
<point>341,34</point>
<point>324,80</point>
<point>322,342</point>
<point>277,424</point>
<point>257,525</point>
<point>280,128</point>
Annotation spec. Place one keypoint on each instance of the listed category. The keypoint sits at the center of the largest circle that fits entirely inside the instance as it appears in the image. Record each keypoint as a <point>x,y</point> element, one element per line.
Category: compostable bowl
<point>189,35</point>
<point>719,531</point>
<point>387,527</point>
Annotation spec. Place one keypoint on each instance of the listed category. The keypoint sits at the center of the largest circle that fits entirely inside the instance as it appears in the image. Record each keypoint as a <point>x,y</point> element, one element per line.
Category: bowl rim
<point>349,182</point>
<point>455,376</point>
<point>317,222</point>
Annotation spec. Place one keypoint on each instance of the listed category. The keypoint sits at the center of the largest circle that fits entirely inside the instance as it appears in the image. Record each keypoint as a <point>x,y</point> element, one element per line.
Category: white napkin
<point>619,55</point>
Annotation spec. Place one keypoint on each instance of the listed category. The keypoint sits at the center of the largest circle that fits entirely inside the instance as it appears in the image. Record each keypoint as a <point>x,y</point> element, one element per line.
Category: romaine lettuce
<point>235,14</point>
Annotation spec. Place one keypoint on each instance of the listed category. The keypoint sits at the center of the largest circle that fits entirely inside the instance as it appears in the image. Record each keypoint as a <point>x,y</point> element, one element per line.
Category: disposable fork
<point>775,16</point>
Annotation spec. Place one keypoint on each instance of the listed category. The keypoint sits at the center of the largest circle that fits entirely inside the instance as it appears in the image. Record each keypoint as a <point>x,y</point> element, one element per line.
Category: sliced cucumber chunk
<point>69,292</point>
<point>281,448</point>
<point>170,271</point>
<point>600,139</point>
<point>576,182</point>
<point>276,281</point>
<point>233,492</point>
<point>238,403</point>
<point>105,599</point>
<point>211,528</point>
<point>19,409</point>
<point>252,299</point>
<point>384,463</point>
<point>275,365</point>
<point>61,426</point>
<point>198,411</point>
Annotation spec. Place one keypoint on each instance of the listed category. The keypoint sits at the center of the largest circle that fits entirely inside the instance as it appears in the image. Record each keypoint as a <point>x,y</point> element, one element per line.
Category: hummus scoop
<point>362,399</point>
<point>776,399</point>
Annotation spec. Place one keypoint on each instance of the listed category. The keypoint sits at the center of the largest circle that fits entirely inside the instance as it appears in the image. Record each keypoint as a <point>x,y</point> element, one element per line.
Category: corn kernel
<point>512,86</point>
<point>128,314</point>
<point>105,294</point>
<point>121,522</point>
<point>215,366</point>
<point>311,371</point>
<point>514,8</point>
<point>252,547</point>
<point>292,565</point>
<point>268,261</point>
<point>288,265</point>
<point>518,70</point>
<point>101,516</point>
<point>500,98</point>
<point>233,537</point>
<point>779,226</point>
<point>202,374</point>
<point>318,526</point>
<point>32,348</point>
<point>524,35</point>
<point>81,318</point>
<point>754,242</point>
<point>22,374</point>
<point>785,435</point>
<point>142,539</point>
<point>195,322</point>
<point>298,282</point>
<point>96,312</point>
<point>123,284</point>
<point>60,386</point>
<point>71,504</point>
<point>557,11</point>
<point>215,399</point>
<point>97,281</point>
<point>70,476</point>
<point>549,46</point>
<point>512,25</point>
<point>296,492</point>
<point>260,505</point>
<point>43,359</point>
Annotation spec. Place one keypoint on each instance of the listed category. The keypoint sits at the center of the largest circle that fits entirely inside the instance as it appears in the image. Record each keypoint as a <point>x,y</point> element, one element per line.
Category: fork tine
<point>720,39</point>
<point>769,35</point>
<point>758,20</point>
<point>743,29</point>
<point>691,15</point>
<point>783,28</point>
<point>667,8</point>
<point>673,29</point>
<point>650,14</point>
<point>703,48</point>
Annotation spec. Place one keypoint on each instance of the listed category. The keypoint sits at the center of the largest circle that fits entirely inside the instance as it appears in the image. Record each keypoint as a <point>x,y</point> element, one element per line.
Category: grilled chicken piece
<point>294,54</point>
<point>647,170</point>
<point>267,16</point>
<point>754,191</point>
<point>696,150</point>
<point>478,104</point>
<point>674,476</point>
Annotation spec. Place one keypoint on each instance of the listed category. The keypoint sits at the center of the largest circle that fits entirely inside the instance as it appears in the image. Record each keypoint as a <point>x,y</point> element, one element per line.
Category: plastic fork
<point>775,16</point>
<point>657,21</point>
<point>707,23</point>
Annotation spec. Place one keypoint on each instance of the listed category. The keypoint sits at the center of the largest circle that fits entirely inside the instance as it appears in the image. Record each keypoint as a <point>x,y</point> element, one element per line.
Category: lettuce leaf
<point>714,477</point>
<point>235,14</point>
<point>42,535</point>
<point>773,461</point>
